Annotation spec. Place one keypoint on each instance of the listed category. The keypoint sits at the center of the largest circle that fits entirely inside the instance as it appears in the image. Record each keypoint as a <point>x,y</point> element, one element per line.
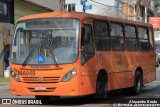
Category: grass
<point>2,79</point>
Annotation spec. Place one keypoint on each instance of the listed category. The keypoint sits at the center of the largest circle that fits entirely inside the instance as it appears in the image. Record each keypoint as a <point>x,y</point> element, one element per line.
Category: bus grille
<point>40,79</point>
<point>47,90</point>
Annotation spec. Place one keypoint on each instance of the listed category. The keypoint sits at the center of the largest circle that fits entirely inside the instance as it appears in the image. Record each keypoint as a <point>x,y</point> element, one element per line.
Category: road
<point>151,90</point>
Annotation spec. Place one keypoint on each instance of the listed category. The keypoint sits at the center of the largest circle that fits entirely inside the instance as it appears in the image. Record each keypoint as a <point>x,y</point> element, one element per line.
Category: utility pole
<point>137,10</point>
<point>146,14</point>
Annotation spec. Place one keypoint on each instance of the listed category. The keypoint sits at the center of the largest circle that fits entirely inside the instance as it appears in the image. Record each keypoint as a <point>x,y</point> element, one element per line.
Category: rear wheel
<point>138,83</point>
<point>101,87</point>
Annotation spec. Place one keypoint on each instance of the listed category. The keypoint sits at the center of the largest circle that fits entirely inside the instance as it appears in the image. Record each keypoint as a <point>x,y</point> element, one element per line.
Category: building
<point>138,10</point>
<point>129,11</point>
<point>144,9</point>
<point>21,8</point>
<point>100,7</point>
<point>50,4</point>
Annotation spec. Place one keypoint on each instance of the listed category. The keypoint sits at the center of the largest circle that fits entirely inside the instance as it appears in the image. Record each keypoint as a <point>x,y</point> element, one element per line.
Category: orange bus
<point>76,54</point>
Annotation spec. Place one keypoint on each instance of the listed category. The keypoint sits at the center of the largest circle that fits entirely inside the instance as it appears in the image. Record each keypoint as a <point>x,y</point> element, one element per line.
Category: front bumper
<point>70,88</point>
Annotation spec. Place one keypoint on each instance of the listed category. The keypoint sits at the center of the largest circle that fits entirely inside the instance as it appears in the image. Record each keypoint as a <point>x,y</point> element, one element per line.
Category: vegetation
<point>2,79</point>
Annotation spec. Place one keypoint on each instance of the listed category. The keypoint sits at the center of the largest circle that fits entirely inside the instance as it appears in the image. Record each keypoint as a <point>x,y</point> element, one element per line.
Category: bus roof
<point>81,16</point>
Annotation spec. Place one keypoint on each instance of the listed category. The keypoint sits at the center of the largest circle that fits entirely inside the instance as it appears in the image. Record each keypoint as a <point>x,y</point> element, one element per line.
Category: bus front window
<point>53,40</point>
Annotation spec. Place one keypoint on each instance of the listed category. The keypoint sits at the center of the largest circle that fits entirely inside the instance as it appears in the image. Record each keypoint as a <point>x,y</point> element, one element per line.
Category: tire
<point>101,87</point>
<point>138,83</point>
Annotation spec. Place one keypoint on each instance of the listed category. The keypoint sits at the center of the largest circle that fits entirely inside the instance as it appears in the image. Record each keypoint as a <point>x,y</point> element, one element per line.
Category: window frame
<point>119,37</point>
<point>84,54</point>
<point>106,37</point>
<point>139,39</point>
<point>151,37</point>
<point>131,38</point>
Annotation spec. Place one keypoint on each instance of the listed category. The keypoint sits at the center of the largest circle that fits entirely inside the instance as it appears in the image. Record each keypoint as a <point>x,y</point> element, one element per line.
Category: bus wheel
<point>101,87</point>
<point>138,83</point>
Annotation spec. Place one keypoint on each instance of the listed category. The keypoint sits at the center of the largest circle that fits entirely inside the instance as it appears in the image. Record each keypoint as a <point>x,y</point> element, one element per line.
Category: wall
<point>2,33</point>
<point>21,8</point>
<point>51,4</point>
<point>128,11</point>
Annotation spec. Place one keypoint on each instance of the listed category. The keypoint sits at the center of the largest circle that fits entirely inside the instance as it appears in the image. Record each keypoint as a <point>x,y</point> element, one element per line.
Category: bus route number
<point>26,73</point>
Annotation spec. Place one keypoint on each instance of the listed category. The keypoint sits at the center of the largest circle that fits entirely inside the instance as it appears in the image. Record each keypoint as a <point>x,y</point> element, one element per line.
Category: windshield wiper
<point>29,55</point>
<point>32,51</point>
<point>52,50</point>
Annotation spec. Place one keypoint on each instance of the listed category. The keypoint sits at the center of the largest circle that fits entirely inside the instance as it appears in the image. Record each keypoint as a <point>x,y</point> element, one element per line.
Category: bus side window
<point>130,34</point>
<point>117,39</point>
<point>87,46</point>
<point>143,39</point>
<point>101,35</point>
<point>151,39</point>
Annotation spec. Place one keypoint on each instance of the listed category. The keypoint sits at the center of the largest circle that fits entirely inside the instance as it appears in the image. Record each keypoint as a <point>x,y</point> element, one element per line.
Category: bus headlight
<point>71,74</point>
<point>15,76</point>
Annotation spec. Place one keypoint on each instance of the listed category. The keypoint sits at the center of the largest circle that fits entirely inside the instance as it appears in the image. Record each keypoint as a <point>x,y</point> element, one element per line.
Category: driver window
<point>87,43</point>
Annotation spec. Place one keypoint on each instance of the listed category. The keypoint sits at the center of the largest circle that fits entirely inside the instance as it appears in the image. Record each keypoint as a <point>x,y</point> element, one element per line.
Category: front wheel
<point>101,87</point>
<point>138,83</point>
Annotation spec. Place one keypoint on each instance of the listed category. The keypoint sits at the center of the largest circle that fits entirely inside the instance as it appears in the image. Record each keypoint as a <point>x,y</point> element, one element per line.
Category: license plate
<point>40,88</point>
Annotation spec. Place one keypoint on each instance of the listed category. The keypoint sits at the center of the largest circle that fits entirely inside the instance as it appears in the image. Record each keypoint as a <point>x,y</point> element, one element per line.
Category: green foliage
<point>2,79</point>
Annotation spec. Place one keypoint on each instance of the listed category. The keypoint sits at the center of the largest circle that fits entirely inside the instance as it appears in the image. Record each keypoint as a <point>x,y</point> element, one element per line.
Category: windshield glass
<point>54,39</point>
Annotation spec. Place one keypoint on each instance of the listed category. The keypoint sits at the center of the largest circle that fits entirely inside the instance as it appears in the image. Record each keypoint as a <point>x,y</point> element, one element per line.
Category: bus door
<point>88,60</point>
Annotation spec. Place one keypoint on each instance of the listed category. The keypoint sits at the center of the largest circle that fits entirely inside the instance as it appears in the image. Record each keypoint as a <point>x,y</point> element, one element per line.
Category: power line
<point>113,7</point>
<point>101,3</point>
<point>110,5</point>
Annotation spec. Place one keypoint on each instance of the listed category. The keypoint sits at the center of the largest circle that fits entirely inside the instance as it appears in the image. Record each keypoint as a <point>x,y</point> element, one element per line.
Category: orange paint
<point>120,66</point>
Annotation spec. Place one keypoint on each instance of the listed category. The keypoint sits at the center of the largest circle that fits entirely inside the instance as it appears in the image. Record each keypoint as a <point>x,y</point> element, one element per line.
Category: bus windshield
<point>45,41</point>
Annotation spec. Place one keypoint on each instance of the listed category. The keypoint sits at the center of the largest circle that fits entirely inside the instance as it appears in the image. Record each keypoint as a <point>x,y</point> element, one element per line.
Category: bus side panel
<point>147,62</point>
<point>119,69</point>
<point>88,77</point>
